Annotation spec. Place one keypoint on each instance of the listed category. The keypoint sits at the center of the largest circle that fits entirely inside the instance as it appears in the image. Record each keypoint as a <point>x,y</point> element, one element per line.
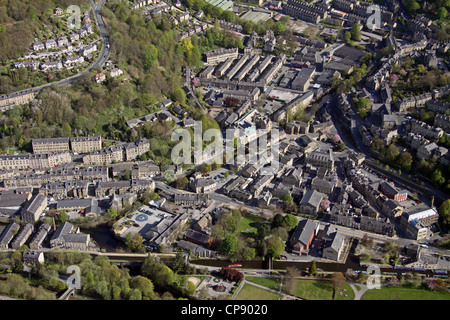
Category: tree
<point>150,53</point>
<point>158,272</point>
<point>437,178</point>
<point>405,160</point>
<point>190,287</point>
<point>355,32</point>
<point>230,243</point>
<point>179,95</point>
<point>275,246</point>
<point>134,242</point>
<point>420,68</point>
<point>67,130</point>
<point>279,28</point>
<point>336,139</point>
<point>263,231</point>
<point>111,214</point>
<point>411,5</point>
<point>288,202</point>
<point>62,216</point>
<point>179,264</point>
<point>290,279</point>
<point>313,268</point>
<point>362,106</point>
<point>144,285</point>
<point>338,280</point>
<point>278,221</point>
<point>181,183</point>
<point>291,221</point>
<point>441,13</point>
<point>347,37</point>
<point>444,212</point>
<point>231,274</point>
<point>392,154</point>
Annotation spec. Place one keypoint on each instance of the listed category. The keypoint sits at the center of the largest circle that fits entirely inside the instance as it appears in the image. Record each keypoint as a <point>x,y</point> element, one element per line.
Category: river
<point>105,239</point>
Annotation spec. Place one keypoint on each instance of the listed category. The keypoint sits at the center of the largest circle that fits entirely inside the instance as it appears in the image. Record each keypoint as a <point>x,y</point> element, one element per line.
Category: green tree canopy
<point>444,212</point>
<point>230,244</point>
<point>291,221</point>
<point>355,32</point>
<point>275,246</point>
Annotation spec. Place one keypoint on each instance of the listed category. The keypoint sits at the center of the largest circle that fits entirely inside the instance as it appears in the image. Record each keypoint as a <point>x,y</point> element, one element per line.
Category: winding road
<point>104,53</point>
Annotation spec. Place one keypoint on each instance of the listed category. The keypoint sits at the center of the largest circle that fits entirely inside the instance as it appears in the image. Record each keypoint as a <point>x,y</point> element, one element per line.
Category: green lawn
<point>271,283</point>
<point>321,290</point>
<point>308,289</point>
<point>249,292</point>
<point>404,293</point>
<point>249,222</point>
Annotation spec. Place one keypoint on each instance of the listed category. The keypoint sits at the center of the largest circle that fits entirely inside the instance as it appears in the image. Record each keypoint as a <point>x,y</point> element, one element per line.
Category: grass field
<point>404,293</point>
<point>249,292</point>
<point>308,289</point>
<point>249,222</point>
<point>271,283</point>
<point>321,290</point>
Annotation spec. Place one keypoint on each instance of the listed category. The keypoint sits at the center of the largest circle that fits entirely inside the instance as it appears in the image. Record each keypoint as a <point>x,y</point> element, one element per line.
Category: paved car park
<point>216,286</point>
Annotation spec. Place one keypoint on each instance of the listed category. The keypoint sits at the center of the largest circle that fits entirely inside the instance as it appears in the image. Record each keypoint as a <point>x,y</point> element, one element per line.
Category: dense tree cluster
<point>231,274</point>
<point>17,287</point>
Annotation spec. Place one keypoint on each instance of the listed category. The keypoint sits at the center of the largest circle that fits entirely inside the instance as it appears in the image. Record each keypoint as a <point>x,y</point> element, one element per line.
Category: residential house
<point>310,202</point>
<point>73,61</point>
<point>116,72</point>
<point>50,44</point>
<point>88,49</point>
<point>22,236</point>
<point>74,37</point>
<point>203,224</point>
<point>203,185</point>
<point>219,55</point>
<point>87,207</point>
<point>333,249</point>
<point>51,65</point>
<point>58,11</point>
<point>39,237</point>
<point>442,121</point>
<point>380,226</point>
<point>37,46</point>
<point>322,185</point>
<point>293,177</point>
<point>34,208</point>
<point>33,257</point>
<point>99,77</point>
<point>85,144</point>
<point>49,145</point>
<point>427,151</point>
<point>8,234</point>
<point>63,41</point>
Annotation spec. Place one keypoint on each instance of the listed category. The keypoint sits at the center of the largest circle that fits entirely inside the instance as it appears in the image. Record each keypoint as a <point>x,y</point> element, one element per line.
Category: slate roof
<point>304,231</point>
